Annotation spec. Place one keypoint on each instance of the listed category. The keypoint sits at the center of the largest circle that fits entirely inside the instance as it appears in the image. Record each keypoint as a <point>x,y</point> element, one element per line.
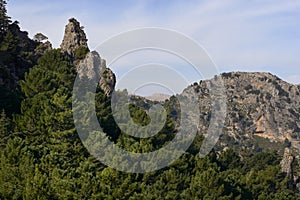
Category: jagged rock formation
<point>91,66</point>
<point>259,105</point>
<point>263,113</point>
<point>265,105</point>
<point>74,37</point>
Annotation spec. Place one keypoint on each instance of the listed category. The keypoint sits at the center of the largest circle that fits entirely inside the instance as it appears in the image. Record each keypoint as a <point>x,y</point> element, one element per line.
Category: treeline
<point>42,156</point>
<point>17,56</point>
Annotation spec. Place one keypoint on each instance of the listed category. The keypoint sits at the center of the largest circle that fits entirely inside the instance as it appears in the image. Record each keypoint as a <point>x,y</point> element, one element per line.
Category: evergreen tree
<point>5,128</point>
<point>17,168</point>
<point>4,19</point>
<point>42,157</point>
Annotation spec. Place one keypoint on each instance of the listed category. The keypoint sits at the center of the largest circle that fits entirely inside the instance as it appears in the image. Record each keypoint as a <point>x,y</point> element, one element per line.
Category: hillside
<point>43,156</point>
<point>258,105</point>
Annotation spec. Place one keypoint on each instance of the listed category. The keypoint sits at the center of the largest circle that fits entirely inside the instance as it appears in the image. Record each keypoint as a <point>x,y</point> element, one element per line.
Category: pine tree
<point>17,167</point>
<point>4,19</point>
<point>46,119</point>
<point>5,130</point>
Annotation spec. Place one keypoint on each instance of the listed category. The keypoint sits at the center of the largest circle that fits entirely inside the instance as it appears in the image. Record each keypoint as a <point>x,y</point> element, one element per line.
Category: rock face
<point>286,163</point>
<point>259,105</point>
<point>74,37</point>
<point>107,81</point>
<point>286,166</point>
<point>263,113</point>
<point>92,66</point>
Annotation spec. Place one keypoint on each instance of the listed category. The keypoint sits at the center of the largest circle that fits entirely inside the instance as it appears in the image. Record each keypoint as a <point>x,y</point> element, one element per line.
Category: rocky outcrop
<point>259,105</point>
<point>286,163</point>
<point>93,67</point>
<point>88,65</point>
<point>107,82</point>
<point>42,48</point>
<point>74,37</point>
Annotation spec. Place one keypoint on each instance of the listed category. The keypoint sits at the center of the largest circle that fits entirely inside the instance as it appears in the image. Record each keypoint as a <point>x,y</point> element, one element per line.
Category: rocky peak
<point>74,37</point>
<point>263,111</point>
<point>88,65</point>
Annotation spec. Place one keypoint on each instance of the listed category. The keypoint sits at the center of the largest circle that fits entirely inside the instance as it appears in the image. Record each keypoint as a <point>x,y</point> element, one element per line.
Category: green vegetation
<point>40,37</point>
<point>42,157</point>
<point>81,52</point>
<point>16,57</point>
<point>4,19</point>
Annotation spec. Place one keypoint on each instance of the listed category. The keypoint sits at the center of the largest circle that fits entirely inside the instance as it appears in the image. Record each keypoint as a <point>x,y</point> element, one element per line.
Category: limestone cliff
<point>260,105</point>
<point>263,114</point>
<point>89,64</point>
<point>93,67</point>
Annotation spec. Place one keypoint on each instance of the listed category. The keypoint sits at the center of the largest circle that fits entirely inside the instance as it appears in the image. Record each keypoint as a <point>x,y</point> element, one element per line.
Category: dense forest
<point>42,156</point>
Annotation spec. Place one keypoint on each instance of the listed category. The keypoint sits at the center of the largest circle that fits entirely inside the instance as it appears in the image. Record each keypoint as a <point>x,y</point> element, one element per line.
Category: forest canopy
<point>42,156</point>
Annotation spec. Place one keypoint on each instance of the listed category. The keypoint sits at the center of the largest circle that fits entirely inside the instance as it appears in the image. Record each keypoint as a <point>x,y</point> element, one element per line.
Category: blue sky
<point>255,35</point>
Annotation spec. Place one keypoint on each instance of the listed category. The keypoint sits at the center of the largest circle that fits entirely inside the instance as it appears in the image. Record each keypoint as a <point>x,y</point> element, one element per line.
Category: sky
<point>238,35</point>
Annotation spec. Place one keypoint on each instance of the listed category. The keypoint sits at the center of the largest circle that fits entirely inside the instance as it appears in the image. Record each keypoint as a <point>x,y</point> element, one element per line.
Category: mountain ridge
<point>259,104</point>
<point>42,155</point>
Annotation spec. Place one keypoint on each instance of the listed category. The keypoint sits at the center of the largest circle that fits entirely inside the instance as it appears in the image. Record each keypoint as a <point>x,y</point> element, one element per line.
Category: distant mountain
<point>158,97</point>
